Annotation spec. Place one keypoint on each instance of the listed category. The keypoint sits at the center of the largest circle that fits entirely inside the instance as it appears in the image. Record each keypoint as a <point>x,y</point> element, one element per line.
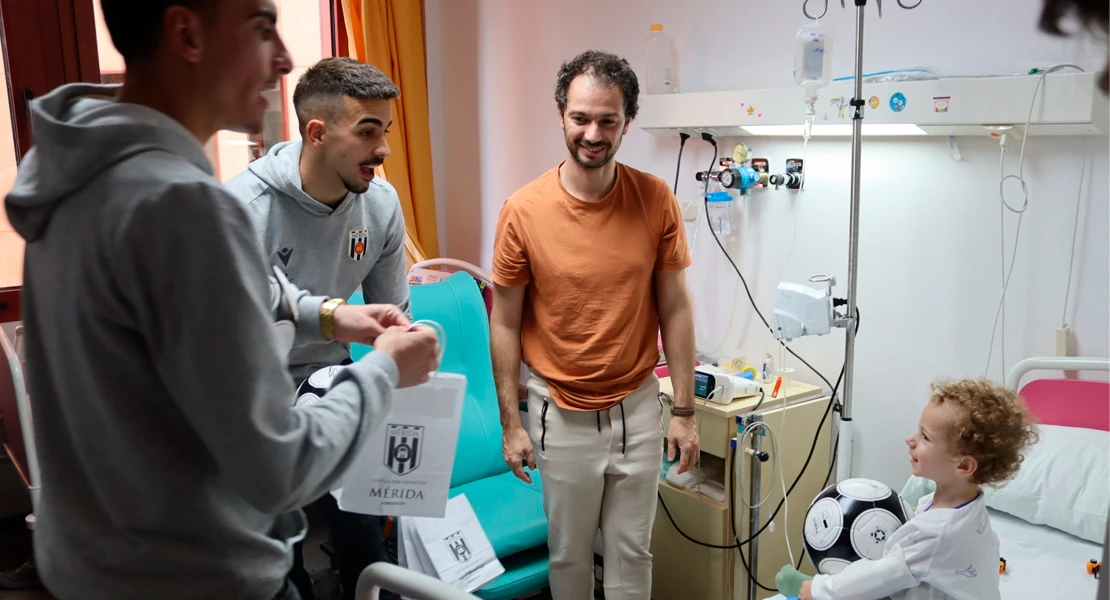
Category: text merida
<point>396,493</point>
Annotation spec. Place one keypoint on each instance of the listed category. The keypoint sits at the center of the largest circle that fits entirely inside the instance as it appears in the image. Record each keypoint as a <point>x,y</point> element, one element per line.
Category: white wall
<point>929,276</point>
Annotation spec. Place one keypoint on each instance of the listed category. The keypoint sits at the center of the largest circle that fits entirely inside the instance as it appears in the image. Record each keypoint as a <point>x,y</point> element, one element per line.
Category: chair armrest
<point>407,583</point>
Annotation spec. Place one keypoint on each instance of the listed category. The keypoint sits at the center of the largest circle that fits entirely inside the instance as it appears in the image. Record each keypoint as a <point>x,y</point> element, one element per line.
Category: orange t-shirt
<point>590,321</point>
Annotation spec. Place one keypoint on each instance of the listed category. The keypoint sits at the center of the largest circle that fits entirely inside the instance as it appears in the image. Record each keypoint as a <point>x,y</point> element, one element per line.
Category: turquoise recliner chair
<point>510,511</point>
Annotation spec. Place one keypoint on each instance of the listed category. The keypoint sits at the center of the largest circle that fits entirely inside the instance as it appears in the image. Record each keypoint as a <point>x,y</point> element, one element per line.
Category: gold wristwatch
<point>327,317</point>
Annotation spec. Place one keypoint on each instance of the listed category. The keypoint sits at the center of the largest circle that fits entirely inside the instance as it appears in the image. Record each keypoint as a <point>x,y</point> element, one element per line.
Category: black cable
<point>705,193</point>
<point>683,533</point>
<point>678,169</point>
<point>812,448</point>
<point>794,484</point>
<point>705,201</point>
<point>751,575</point>
<point>813,445</point>
<point>732,491</point>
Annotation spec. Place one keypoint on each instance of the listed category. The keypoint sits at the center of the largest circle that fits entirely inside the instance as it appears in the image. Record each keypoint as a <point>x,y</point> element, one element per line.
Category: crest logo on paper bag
<point>456,543</point>
<point>356,247</point>
<point>403,445</point>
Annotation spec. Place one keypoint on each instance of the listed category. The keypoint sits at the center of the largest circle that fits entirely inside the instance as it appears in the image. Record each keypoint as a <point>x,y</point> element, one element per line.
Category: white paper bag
<point>453,549</point>
<point>405,467</point>
<point>410,552</point>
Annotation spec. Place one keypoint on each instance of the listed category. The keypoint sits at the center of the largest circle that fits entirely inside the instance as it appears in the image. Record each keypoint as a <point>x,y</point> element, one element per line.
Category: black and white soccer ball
<point>851,520</point>
<point>313,389</point>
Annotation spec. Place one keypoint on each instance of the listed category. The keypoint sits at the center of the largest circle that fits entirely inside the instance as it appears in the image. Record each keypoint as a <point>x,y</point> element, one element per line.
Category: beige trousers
<point>599,469</point>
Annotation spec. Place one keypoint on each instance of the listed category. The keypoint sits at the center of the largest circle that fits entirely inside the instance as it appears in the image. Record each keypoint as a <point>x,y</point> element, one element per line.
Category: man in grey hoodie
<point>173,465</point>
<point>323,217</point>
<point>326,221</point>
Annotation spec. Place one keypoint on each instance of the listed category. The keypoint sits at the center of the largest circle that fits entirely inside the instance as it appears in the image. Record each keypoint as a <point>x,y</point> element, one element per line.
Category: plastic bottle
<point>813,59</point>
<point>660,61</point>
<point>719,208</point>
<point>768,369</point>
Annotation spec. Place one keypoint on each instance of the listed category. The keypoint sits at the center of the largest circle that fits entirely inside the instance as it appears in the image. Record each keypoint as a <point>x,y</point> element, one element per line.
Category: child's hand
<point>804,594</point>
<point>791,581</point>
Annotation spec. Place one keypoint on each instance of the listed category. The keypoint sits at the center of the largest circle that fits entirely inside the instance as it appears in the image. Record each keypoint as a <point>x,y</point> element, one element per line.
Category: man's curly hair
<point>994,427</point>
<point>606,69</point>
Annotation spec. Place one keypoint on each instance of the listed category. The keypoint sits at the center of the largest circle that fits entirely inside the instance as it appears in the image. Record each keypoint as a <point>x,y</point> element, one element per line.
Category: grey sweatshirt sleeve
<point>387,282</point>
<point>308,308</point>
<point>199,288</point>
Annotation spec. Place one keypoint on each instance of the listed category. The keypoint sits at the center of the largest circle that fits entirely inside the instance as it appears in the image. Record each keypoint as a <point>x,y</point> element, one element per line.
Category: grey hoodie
<point>328,251</point>
<point>173,465</point>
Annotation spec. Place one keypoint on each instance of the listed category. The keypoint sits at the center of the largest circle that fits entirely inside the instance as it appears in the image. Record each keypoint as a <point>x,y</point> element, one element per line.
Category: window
<point>47,44</point>
<point>11,245</point>
<point>303,25</point>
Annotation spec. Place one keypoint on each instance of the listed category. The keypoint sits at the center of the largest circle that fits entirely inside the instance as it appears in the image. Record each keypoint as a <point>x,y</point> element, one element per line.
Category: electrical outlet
<point>690,211</point>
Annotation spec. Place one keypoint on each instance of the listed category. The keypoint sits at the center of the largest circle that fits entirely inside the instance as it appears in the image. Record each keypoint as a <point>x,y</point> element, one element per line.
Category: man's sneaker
<point>23,578</point>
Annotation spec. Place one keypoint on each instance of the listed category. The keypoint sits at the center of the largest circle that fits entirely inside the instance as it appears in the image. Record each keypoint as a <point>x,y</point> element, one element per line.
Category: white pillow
<point>1064,483</point>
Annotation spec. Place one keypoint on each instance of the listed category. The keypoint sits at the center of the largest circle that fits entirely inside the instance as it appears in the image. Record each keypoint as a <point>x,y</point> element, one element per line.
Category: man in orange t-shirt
<point>588,268</point>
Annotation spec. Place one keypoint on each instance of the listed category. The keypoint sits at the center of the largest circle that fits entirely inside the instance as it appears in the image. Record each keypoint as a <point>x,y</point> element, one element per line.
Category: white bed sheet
<point>1042,563</point>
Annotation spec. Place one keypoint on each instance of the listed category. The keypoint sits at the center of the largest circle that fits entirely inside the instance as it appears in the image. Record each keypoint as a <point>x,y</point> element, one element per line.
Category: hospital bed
<point>1042,561</point>
<point>407,583</point>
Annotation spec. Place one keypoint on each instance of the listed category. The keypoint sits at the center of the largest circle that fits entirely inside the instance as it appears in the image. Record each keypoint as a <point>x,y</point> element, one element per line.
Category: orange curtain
<point>389,34</point>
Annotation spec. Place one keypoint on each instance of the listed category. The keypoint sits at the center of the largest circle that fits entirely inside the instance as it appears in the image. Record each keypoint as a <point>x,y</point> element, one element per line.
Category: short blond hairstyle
<point>993,426</point>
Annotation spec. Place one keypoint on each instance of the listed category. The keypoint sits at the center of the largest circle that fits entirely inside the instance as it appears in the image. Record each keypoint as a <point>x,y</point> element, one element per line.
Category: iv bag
<point>813,58</point>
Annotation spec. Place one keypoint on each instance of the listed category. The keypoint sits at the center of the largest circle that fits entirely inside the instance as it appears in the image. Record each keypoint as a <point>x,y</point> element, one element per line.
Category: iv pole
<point>845,434</point>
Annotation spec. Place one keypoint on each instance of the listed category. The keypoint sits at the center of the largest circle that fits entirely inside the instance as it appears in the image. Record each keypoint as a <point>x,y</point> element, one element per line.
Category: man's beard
<point>595,163</point>
<point>360,185</point>
<point>356,187</point>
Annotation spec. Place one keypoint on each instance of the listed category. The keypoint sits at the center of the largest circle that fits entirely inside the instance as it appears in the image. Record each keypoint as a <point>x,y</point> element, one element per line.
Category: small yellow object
<point>750,368</point>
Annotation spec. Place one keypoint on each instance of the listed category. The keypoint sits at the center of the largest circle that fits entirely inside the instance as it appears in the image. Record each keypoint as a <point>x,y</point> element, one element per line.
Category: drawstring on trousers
<point>543,426</point>
<point>624,431</point>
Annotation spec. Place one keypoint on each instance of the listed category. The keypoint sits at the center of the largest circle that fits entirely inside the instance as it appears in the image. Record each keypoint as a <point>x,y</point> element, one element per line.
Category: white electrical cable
<point>742,443</point>
<point>782,480</point>
<point>1002,206</point>
<point>1074,234</point>
<point>794,238</point>
<point>1020,177</point>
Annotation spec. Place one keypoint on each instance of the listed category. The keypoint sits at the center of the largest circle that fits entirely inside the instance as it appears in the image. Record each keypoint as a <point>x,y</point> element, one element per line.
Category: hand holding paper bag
<point>415,350</point>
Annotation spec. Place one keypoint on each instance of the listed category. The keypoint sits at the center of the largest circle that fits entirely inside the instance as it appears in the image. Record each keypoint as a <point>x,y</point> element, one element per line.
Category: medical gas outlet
<point>744,178</point>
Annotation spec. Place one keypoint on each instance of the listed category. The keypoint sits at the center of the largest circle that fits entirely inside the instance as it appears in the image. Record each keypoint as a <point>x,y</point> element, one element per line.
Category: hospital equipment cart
<point>683,569</point>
